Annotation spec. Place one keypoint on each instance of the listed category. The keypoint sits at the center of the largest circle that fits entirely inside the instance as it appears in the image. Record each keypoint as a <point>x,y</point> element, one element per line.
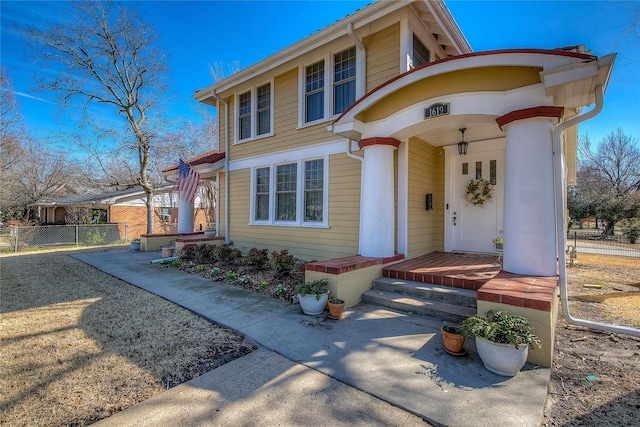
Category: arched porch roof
<point>479,87</point>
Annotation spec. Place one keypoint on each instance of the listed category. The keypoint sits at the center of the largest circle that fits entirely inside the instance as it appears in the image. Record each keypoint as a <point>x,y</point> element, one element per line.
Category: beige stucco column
<point>377,212</point>
<point>529,210</point>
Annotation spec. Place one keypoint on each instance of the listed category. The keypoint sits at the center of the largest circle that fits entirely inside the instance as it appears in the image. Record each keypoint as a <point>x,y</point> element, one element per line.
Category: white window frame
<point>300,193</point>
<point>165,216</point>
<point>329,84</point>
<point>254,113</point>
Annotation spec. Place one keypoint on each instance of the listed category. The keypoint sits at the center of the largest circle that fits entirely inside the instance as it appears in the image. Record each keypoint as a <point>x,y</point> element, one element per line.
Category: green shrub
<point>500,327</point>
<point>257,258</point>
<point>283,262</point>
<point>630,229</point>
<point>189,252</point>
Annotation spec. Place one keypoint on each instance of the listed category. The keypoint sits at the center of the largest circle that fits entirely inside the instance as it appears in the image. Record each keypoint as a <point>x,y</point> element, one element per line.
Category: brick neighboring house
<point>119,207</point>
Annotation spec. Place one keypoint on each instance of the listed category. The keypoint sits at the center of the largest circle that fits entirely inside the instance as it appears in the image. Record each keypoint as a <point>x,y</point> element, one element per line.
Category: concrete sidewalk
<point>373,367</point>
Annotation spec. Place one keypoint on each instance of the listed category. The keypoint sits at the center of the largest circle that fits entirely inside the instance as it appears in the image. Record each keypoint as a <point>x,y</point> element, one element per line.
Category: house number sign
<point>436,110</point>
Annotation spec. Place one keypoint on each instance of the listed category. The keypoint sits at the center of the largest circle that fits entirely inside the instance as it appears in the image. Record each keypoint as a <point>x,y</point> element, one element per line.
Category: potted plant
<point>453,339</point>
<point>502,340</point>
<point>336,306</point>
<point>313,296</point>
<point>135,245</point>
<point>498,242</point>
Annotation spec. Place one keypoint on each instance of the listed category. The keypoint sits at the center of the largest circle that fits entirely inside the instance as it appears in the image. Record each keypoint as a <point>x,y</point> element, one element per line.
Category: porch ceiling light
<point>463,145</point>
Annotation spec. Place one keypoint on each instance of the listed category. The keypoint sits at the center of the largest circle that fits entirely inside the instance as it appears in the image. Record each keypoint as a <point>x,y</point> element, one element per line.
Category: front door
<point>475,226</point>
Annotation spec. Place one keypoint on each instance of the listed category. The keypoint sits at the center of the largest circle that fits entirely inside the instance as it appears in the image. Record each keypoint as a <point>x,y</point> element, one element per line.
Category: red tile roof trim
<point>367,142</point>
<point>208,157</point>
<point>530,113</point>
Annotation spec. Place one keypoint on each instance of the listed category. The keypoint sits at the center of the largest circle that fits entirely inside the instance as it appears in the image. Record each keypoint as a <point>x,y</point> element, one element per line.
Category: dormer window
<point>322,101</point>
<point>254,110</point>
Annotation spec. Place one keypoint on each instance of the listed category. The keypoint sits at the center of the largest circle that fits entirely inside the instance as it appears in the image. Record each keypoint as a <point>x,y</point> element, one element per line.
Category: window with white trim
<point>344,80</point>
<point>165,213</point>
<point>314,92</point>
<point>286,186</point>
<point>255,118</point>
<point>421,54</point>
<point>262,194</point>
<point>328,86</point>
<point>294,194</point>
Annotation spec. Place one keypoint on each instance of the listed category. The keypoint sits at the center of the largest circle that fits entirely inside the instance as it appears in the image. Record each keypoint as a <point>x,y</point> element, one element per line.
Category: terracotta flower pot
<point>335,310</point>
<point>453,343</point>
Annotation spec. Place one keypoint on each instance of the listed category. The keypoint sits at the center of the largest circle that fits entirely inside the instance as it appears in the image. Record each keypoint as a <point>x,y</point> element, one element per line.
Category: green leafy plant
<point>214,271</point>
<point>258,258</point>
<point>283,262</point>
<point>630,229</point>
<point>263,285</point>
<point>452,329</point>
<point>500,327</point>
<point>336,300</point>
<point>231,275</point>
<point>281,291</point>
<point>190,265</point>
<point>176,263</point>
<point>245,279</point>
<point>317,288</point>
<point>201,267</point>
<point>498,240</point>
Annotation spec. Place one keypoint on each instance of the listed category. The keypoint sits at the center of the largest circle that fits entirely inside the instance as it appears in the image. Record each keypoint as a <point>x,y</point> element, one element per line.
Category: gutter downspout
<point>215,96</point>
<point>350,153</point>
<point>558,173</point>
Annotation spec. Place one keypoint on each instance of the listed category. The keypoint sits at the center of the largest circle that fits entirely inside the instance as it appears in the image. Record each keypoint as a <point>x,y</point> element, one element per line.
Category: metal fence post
<point>77,236</point>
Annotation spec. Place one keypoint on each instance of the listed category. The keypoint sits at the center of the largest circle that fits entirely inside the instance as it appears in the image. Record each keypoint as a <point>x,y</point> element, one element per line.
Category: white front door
<point>474,227</point>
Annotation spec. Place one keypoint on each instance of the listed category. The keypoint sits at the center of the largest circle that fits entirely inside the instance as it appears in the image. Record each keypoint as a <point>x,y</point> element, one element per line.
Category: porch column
<point>377,217</point>
<point>529,219</point>
<point>185,216</point>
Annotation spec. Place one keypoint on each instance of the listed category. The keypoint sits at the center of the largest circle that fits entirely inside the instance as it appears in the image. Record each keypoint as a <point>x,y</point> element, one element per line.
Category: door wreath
<point>479,191</point>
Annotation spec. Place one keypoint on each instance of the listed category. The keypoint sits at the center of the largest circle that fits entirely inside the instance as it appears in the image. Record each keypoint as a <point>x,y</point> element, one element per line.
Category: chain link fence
<point>16,239</point>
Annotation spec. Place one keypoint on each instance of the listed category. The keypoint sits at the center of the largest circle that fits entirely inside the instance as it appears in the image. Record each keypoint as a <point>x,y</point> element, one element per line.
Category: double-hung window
<point>291,193</point>
<point>261,210</point>
<point>286,186</point>
<point>255,117</point>
<point>344,80</point>
<point>314,92</point>
<point>328,86</point>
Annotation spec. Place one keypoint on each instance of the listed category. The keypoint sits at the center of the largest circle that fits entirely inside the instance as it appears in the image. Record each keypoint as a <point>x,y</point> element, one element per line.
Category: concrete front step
<point>443,302</point>
<point>447,294</point>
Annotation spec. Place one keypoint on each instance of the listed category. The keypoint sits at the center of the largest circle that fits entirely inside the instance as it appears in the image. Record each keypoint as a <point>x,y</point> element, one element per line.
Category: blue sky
<point>199,33</point>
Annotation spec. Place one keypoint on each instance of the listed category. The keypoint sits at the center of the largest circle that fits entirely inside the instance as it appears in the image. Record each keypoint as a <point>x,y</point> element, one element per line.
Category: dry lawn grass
<point>595,378</point>
<point>79,345</point>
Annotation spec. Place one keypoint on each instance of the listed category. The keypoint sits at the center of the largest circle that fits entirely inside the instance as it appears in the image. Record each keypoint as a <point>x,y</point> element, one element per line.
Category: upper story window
<point>314,91</point>
<point>255,118</point>
<point>420,52</point>
<point>344,80</point>
<point>329,86</point>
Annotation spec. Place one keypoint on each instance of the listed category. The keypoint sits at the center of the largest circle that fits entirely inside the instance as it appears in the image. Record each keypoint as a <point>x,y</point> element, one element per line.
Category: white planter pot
<point>310,305</point>
<point>502,359</point>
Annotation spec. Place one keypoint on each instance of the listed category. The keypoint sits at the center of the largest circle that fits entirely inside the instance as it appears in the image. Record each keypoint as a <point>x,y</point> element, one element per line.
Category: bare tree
<point>609,175</point>
<point>105,55</point>
<point>12,129</point>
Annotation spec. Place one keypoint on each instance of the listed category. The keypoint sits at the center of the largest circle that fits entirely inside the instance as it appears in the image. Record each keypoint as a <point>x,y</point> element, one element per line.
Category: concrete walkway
<point>373,367</point>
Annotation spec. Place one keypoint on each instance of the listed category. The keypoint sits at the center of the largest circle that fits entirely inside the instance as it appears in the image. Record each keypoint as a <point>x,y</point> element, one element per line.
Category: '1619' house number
<point>436,110</point>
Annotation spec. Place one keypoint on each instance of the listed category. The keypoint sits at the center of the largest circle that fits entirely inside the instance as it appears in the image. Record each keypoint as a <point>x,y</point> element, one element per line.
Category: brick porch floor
<point>465,271</point>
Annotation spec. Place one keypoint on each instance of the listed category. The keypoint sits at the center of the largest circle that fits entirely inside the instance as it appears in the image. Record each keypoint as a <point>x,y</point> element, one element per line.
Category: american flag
<point>188,180</point>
